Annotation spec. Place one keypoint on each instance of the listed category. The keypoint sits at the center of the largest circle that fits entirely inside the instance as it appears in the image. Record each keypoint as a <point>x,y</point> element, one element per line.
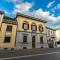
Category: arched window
<point>33,27</point>
<point>25,25</point>
<point>41,28</point>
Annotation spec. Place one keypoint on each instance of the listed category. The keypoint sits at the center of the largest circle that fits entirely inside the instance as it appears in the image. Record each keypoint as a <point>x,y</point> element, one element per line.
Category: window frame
<point>33,25</point>
<point>9,29</point>
<point>41,40</point>
<point>25,23</point>
<point>41,29</point>
<point>6,41</point>
<point>24,38</point>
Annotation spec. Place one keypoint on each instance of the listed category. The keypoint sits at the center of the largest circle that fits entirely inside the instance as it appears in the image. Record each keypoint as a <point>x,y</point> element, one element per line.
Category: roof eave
<point>33,18</point>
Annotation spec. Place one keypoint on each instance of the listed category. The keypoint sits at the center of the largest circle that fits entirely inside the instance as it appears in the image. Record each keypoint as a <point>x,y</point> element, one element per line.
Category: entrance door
<point>41,41</point>
<point>33,41</point>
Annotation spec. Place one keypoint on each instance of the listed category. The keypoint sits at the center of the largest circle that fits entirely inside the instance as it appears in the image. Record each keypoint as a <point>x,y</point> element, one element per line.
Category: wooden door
<point>33,41</point>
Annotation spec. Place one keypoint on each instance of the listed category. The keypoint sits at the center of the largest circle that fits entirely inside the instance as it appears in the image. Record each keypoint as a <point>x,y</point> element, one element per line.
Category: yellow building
<point>58,34</point>
<point>1,17</point>
<point>8,33</point>
<point>21,19</point>
<point>58,37</point>
<point>31,32</point>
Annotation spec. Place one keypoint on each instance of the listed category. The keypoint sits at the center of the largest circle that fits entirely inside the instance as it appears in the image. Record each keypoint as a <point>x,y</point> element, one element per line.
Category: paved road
<point>35,54</point>
<point>46,56</point>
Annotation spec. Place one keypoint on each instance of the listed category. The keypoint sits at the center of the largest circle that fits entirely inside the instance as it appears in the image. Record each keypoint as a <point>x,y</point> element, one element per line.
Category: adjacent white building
<point>51,37</point>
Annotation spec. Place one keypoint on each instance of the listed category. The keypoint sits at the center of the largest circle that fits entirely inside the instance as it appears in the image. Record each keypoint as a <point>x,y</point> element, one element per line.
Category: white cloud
<point>23,7</point>
<point>14,1</point>
<point>53,10</point>
<point>39,13</point>
<point>52,15</point>
<point>6,12</point>
<point>56,7</point>
<point>11,0</point>
<point>46,16</point>
<point>50,4</point>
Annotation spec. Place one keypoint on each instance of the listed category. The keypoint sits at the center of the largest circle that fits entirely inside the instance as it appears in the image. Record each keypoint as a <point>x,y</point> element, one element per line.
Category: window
<point>7,40</point>
<point>58,42</point>
<point>0,28</point>
<point>51,32</point>
<point>25,25</point>
<point>41,28</point>
<point>24,39</point>
<point>48,32</point>
<point>9,28</point>
<point>24,47</point>
<point>41,40</point>
<point>33,27</point>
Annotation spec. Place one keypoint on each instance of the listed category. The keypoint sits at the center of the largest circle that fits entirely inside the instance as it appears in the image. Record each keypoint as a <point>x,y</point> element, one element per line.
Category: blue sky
<point>48,10</point>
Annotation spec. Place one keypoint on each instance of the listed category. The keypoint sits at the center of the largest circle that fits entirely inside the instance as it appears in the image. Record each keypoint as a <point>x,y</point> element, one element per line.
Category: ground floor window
<point>24,39</point>
<point>7,39</point>
<point>58,42</point>
<point>41,40</point>
<point>24,47</point>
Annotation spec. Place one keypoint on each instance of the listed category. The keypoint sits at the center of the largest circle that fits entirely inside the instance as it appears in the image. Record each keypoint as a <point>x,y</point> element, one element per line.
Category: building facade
<point>31,33</point>
<point>58,34</point>
<point>1,17</point>
<point>8,33</point>
<point>25,32</point>
<point>58,37</point>
<point>51,37</point>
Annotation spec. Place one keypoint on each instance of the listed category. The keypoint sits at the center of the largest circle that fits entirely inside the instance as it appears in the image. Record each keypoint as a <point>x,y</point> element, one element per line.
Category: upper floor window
<point>33,27</point>
<point>48,31</point>
<point>53,32</point>
<point>41,28</point>
<point>9,28</point>
<point>25,25</point>
<point>0,28</point>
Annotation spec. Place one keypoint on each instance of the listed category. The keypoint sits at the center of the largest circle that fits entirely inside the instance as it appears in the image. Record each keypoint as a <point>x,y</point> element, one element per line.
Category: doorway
<point>33,41</point>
